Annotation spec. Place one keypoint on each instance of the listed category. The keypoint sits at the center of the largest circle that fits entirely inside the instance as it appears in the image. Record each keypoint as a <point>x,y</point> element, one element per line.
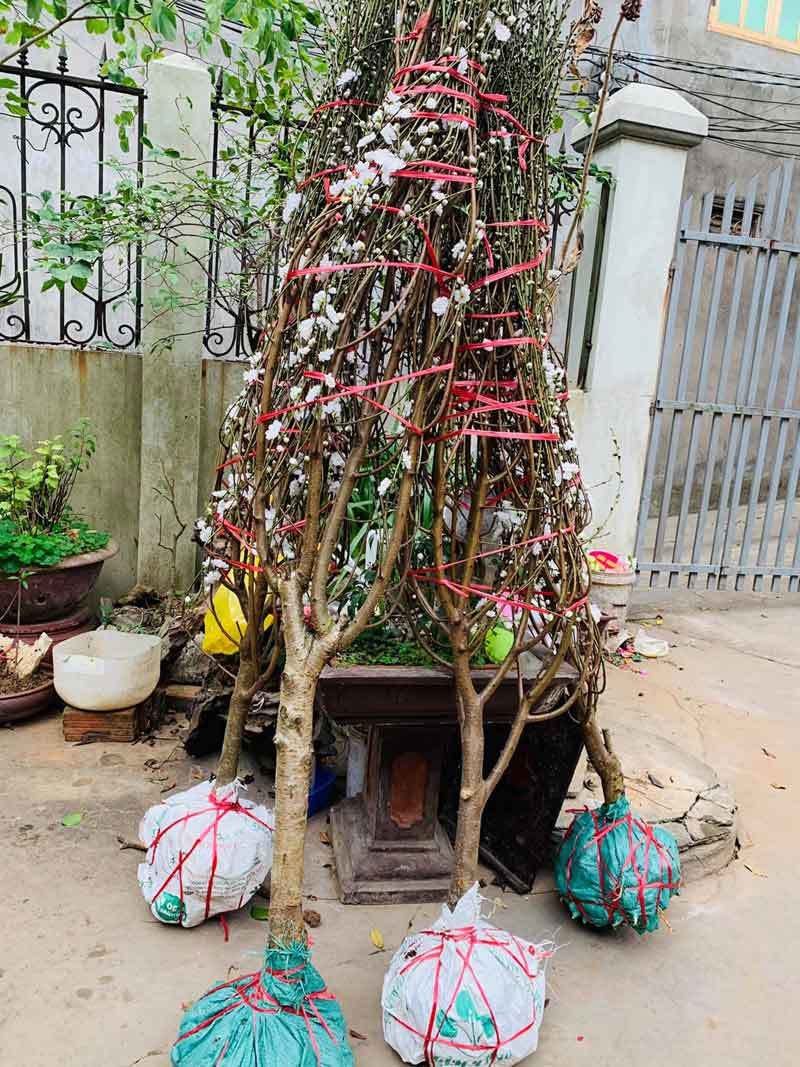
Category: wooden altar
<point>388,843</point>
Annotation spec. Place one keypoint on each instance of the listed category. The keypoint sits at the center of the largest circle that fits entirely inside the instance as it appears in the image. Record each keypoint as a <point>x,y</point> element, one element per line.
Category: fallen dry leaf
<point>312,918</point>
<point>767,752</point>
<point>777,785</point>
<point>752,870</point>
<point>376,937</point>
<point>357,1035</point>
<point>324,838</point>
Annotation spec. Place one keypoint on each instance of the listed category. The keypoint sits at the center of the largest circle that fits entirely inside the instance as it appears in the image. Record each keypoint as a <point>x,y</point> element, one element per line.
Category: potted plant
<point>26,684</point>
<point>50,558</point>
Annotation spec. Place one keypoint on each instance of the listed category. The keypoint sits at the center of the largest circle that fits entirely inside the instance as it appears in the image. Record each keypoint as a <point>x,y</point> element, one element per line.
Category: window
<point>737,218</point>
<point>771,22</point>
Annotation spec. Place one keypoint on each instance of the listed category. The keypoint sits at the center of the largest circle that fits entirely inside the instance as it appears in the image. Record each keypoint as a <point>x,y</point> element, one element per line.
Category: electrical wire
<point>738,127</point>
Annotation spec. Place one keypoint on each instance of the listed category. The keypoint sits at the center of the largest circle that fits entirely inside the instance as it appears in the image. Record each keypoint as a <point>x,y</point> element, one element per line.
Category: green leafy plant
<point>19,551</point>
<point>385,645</point>
<point>37,527</point>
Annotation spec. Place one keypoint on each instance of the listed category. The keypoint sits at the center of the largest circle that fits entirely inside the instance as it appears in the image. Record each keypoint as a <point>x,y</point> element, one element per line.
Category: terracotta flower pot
<point>79,622</point>
<point>15,706</point>
<point>54,592</point>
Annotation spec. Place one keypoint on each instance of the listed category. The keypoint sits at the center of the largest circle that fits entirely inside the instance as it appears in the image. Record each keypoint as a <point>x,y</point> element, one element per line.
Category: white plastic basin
<point>105,670</point>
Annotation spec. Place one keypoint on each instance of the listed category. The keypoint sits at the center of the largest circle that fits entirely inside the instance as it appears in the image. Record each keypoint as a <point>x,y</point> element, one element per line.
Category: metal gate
<point>719,500</point>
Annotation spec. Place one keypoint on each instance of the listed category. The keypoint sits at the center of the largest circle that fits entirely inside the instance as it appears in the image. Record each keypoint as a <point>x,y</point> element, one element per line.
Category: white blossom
<point>204,531</point>
<point>389,133</point>
<point>387,161</point>
<point>346,77</point>
<point>384,486</point>
<point>462,293</point>
<point>333,316</point>
<point>502,32</point>
<point>210,579</point>
<point>306,328</point>
<point>273,429</point>
<point>440,305</point>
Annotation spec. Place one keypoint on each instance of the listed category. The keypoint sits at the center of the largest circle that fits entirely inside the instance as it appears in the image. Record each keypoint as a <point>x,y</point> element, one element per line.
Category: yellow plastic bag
<point>224,637</point>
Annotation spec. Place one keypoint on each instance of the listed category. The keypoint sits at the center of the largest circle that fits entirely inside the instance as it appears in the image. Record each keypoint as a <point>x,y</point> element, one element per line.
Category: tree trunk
<point>295,749</point>
<point>228,765</point>
<point>603,758</point>
<point>472,799</point>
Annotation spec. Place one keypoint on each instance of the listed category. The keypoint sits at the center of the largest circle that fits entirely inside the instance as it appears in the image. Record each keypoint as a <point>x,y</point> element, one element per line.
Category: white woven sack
<point>207,853</point>
<point>464,993</point>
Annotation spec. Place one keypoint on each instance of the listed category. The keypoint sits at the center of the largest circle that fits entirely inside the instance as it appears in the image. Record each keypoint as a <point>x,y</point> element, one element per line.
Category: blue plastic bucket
<point>321,792</point>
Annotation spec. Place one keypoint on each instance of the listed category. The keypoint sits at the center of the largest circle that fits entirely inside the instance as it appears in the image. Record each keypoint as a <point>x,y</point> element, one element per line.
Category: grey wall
<point>45,389</point>
<point>679,29</point>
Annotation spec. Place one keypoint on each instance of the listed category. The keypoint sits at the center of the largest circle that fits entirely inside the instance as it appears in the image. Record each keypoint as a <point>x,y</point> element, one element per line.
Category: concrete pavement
<point>88,979</point>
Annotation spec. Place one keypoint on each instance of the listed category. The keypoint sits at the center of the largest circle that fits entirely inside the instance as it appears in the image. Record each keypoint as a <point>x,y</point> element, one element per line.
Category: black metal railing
<point>62,138</point>
<point>239,286</point>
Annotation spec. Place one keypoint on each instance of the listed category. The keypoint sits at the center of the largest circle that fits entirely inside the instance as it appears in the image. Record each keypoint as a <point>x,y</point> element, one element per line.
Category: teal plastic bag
<point>613,868</point>
<point>282,1015</point>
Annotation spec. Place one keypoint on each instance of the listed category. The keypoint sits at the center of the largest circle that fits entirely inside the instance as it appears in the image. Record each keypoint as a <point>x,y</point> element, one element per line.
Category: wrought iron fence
<point>64,139</point>
<point>239,287</point>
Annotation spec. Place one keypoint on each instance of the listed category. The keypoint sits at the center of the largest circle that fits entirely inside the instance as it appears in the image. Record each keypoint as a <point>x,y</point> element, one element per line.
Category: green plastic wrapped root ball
<point>613,868</point>
<point>281,1015</point>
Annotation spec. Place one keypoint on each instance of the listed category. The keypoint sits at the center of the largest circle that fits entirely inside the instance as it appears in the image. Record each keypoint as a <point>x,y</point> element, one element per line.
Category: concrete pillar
<point>645,135</point>
<point>178,117</point>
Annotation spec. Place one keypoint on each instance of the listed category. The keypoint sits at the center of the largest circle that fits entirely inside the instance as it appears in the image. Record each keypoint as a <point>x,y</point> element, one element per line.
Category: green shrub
<point>37,527</point>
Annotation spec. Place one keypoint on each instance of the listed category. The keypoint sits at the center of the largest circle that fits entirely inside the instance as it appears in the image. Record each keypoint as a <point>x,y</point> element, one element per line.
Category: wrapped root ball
<point>207,853</point>
<point>281,1015</point>
<point>613,868</point>
<point>464,992</point>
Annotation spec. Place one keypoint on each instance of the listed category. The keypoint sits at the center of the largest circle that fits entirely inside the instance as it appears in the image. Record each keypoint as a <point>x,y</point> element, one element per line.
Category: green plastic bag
<point>282,1015</point>
<point>613,868</point>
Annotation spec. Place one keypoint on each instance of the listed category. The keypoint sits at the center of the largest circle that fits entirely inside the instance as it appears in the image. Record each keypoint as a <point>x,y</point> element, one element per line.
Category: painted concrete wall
<point>44,390</point>
<point>645,135</point>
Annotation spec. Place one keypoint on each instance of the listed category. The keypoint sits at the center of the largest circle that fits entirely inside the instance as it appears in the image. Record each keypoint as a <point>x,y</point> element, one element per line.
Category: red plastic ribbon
<point>355,390</point>
<point>333,268</point>
<point>419,28</point>
<point>508,272</point>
